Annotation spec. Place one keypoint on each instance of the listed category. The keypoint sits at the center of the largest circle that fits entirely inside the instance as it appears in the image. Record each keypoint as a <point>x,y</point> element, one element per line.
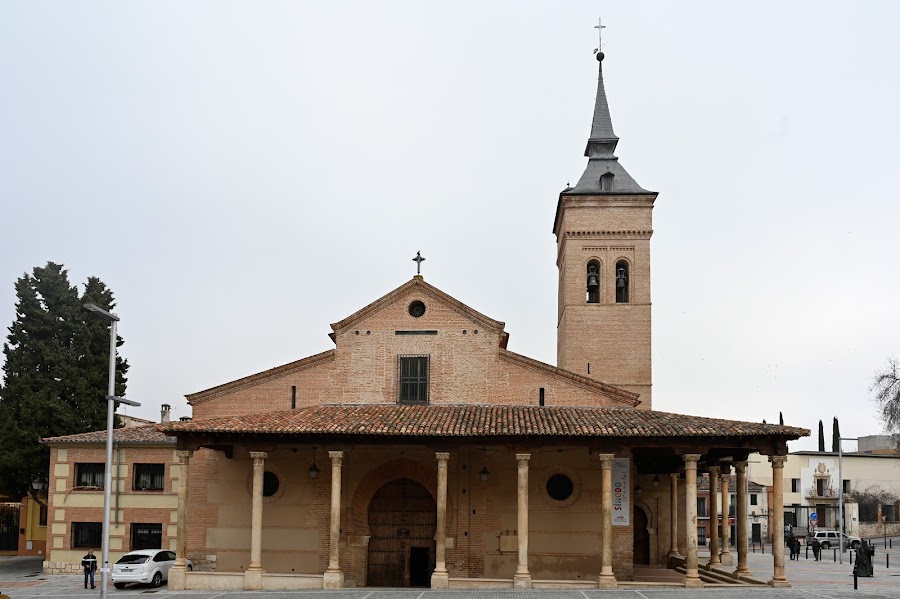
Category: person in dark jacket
<point>89,563</point>
<point>817,548</point>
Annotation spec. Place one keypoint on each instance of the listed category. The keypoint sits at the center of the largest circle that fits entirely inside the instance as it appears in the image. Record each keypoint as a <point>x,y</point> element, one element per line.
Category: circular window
<point>270,483</point>
<point>416,309</point>
<point>560,487</point>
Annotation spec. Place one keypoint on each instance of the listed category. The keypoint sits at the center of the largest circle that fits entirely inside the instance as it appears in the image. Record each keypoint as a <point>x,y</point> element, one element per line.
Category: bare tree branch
<point>886,386</point>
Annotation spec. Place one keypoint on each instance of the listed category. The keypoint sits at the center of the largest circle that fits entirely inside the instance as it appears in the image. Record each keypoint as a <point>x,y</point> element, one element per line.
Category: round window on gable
<point>416,309</point>
<point>270,483</point>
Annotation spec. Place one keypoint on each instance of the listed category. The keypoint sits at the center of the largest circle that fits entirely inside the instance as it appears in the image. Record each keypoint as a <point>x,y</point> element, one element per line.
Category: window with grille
<point>146,536</point>
<point>89,475</point>
<point>701,507</point>
<point>149,477</point>
<point>701,535</point>
<point>42,516</point>
<point>413,379</point>
<point>86,534</point>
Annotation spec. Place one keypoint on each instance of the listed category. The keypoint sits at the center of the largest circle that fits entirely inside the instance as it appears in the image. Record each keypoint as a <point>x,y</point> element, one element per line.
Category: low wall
<point>877,529</point>
<point>234,581</point>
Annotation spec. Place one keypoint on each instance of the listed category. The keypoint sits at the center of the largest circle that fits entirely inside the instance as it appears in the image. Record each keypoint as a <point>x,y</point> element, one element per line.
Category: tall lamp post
<point>841,490</point>
<point>111,401</point>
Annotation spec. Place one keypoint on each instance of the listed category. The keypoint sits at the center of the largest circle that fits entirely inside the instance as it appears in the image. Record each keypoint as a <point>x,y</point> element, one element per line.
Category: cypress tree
<point>835,435</point>
<point>780,419</point>
<point>821,437</point>
<point>55,372</point>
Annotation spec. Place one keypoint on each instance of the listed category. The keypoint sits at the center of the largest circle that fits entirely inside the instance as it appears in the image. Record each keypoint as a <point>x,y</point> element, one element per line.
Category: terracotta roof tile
<point>135,435</point>
<point>480,421</point>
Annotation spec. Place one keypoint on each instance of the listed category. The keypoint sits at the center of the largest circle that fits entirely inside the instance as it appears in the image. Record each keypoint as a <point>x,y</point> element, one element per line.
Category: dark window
<point>846,488</point>
<point>753,499</point>
<point>86,534</point>
<point>270,483</point>
<point>42,516</point>
<point>701,535</point>
<point>146,536</point>
<point>149,477</point>
<point>89,475</point>
<point>413,379</point>
<point>701,507</point>
<point>606,182</point>
<point>593,282</point>
<point>416,309</point>
<point>795,485</point>
<point>622,282</point>
<point>560,487</point>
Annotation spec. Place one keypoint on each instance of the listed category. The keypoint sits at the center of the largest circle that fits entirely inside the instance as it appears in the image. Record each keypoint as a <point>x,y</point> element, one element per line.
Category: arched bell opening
<point>593,282</point>
<point>623,282</point>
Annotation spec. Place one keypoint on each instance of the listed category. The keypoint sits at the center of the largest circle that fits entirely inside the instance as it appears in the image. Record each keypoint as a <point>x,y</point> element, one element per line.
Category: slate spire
<point>603,173</point>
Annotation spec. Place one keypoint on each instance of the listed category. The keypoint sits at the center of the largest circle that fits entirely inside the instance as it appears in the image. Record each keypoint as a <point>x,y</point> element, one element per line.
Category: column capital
<point>777,460</point>
<point>713,471</point>
<point>674,475</point>
<point>740,465</point>
<point>606,460</point>
<point>725,478</point>
<point>259,457</point>
<point>336,457</point>
<point>523,457</point>
<point>690,460</point>
<point>184,454</point>
<point>442,458</point>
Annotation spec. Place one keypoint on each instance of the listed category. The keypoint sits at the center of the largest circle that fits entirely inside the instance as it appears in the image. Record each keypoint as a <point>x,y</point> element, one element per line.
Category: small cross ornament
<point>418,260</point>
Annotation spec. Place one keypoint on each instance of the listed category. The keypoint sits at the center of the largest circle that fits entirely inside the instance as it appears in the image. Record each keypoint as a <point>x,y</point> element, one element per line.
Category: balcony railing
<point>815,492</point>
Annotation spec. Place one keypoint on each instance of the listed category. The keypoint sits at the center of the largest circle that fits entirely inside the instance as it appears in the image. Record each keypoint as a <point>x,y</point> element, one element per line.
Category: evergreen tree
<point>55,372</point>
<point>780,419</point>
<point>835,435</point>
<point>821,437</point>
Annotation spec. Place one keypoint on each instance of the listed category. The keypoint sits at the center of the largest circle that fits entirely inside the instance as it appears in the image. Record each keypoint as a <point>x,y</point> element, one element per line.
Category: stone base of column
<point>253,580</point>
<point>607,581</point>
<point>741,573</point>
<point>177,578</point>
<point>522,581</point>
<point>333,580</point>
<point>693,583</point>
<point>727,559</point>
<point>713,561</point>
<point>780,583</point>
<point>440,580</point>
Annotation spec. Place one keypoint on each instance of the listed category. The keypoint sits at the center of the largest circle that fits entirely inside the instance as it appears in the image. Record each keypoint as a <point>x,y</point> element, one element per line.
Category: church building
<point>420,450</point>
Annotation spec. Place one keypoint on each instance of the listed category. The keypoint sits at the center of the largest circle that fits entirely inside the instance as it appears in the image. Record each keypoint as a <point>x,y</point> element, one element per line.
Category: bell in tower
<point>593,284</point>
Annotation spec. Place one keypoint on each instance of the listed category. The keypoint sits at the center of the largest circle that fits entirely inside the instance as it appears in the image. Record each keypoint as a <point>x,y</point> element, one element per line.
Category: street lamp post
<point>841,490</point>
<point>111,401</point>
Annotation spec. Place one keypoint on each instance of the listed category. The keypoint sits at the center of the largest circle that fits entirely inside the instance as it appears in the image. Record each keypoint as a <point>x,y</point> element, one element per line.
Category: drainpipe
<point>118,460</point>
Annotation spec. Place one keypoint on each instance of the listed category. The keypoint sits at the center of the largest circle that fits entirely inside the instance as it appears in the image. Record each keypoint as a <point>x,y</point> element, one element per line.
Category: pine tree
<point>835,435</point>
<point>55,372</point>
<point>821,437</point>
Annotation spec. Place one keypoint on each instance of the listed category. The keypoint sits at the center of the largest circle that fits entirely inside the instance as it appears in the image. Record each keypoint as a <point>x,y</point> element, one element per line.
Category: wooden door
<point>402,521</point>
<point>641,537</point>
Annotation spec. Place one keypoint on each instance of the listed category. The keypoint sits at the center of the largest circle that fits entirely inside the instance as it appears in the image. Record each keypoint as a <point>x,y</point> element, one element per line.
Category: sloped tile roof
<point>480,421</point>
<point>135,435</point>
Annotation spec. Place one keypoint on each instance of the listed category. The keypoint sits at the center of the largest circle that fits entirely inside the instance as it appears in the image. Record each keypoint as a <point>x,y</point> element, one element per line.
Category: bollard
<point>887,560</point>
<point>807,552</point>
<point>762,547</point>
<point>855,587</point>
<point>851,557</point>
<point>834,554</point>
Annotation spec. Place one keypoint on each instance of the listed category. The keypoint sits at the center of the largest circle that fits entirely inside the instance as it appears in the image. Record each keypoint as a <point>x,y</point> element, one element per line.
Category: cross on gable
<point>418,260</point>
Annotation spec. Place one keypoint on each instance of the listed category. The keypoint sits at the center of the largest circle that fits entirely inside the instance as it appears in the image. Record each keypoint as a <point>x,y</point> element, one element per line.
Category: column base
<point>780,583</point>
<point>333,580</point>
<point>607,582</point>
<point>693,583</point>
<point>440,580</point>
<point>726,559</point>
<point>177,578</point>
<point>741,573</point>
<point>522,581</point>
<point>712,563</point>
<point>253,580</point>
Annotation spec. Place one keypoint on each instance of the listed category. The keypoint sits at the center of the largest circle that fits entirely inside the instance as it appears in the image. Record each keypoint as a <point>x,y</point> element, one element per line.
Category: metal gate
<point>9,526</point>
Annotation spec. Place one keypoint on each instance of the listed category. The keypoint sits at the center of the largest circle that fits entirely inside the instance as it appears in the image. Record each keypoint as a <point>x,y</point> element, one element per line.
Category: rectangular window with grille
<point>149,477</point>
<point>795,485</point>
<point>146,536</point>
<point>701,535</point>
<point>413,379</point>
<point>89,475</point>
<point>86,534</point>
<point>701,507</point>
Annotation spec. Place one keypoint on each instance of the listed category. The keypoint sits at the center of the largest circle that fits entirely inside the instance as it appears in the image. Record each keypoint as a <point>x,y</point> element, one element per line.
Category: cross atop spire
<point>419,260</point>
<point>599,27</point>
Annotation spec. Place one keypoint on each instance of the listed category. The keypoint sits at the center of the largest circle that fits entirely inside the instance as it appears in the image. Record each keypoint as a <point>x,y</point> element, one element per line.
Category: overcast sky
<point>243,174</point>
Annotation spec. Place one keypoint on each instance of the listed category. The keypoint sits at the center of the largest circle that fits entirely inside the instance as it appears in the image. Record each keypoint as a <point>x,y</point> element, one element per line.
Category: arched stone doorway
<point>402,522</point>
<point>641,537</point>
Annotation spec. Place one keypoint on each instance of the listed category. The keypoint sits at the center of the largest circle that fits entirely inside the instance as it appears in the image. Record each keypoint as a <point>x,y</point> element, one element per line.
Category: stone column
<point>334,577</point>
<point>440,578</point>
<point>673,478</point>
<point>726,558</point>
<point>522,579</point>
<point>179,568</point>
<point>607,579</point>
<point>740,492</point>
<point>692,577</point>
<point>253,573</point>
<point>778,577</point>
<point>714,516</point>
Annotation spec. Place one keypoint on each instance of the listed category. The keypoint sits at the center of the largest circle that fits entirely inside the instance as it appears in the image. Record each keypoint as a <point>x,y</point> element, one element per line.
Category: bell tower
<point>603,227</point>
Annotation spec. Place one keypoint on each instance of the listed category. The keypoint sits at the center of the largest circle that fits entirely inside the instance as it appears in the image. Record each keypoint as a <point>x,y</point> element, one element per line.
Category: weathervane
<point>599,27</point>
<point>418,260</point>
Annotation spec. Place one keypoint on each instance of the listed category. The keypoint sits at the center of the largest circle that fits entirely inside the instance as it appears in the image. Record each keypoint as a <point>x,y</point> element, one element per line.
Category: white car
<point>147,566</point>
<point>832,538</point>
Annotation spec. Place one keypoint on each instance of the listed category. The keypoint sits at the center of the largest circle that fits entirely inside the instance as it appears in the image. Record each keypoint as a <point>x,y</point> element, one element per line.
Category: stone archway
<point>641,537</point>
<point>649,530</point>
<point>402,518</point>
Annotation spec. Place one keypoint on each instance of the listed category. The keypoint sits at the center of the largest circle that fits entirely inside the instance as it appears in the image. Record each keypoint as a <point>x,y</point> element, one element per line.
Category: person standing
<point>89,563</point>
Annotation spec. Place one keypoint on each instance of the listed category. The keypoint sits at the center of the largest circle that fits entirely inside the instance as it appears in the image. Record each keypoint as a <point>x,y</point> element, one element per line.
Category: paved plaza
<point>21,578</point>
